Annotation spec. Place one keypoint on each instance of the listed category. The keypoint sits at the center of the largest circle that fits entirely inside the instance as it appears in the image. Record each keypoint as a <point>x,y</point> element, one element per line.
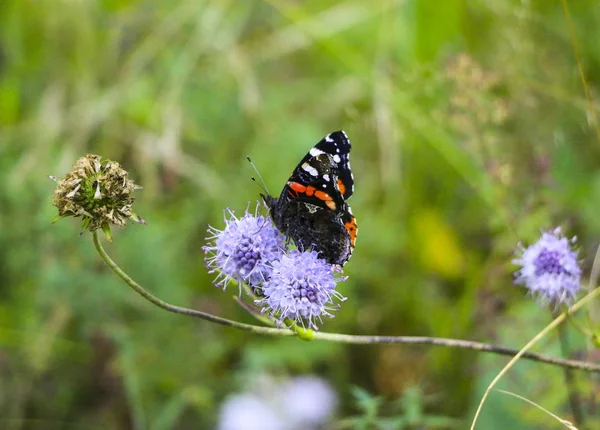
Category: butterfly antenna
<point>262,184</point>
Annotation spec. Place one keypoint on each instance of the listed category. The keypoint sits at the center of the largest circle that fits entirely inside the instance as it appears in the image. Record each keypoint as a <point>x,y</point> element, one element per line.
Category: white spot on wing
<point>316,152</point>
<point>310,169</point>
<point>337,158</point>
<point>328,139</point>
<point>326,177</point>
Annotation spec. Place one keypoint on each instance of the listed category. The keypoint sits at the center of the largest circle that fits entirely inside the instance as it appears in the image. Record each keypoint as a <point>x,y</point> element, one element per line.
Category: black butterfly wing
<point>326,167</point>
<point>338,146</point>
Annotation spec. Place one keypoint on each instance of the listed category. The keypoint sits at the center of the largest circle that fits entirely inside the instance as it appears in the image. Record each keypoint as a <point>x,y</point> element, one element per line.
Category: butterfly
<point>312,208</point>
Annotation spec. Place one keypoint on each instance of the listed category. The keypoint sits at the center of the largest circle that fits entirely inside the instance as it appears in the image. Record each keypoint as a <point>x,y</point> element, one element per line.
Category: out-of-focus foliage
<point>407,412</point>
<point>470,131</point>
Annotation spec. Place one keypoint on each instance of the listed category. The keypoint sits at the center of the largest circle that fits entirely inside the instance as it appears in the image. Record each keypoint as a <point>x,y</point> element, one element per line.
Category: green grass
<point>471,132</point>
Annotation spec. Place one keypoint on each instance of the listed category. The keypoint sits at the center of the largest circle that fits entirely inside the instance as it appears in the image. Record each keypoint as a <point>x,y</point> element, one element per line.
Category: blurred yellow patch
<point>436,244</point>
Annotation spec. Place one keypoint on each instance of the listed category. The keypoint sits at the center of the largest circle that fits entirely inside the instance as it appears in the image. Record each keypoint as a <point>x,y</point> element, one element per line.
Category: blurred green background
<point>471,132</point>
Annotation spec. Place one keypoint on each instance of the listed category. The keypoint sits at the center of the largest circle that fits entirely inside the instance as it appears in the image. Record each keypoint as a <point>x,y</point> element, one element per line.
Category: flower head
<point>243,250</point>
<point>305,402</point>
<point>98,191</point>
<point>248,411</point>
<point>301,287</point>
<point>550,268</point>
<point>309,401</point>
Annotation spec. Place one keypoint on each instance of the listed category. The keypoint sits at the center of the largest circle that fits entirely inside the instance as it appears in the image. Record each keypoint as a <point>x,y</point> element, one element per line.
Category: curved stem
<point>178,309</point>
<point>338,337</point>
<point>555,323</point>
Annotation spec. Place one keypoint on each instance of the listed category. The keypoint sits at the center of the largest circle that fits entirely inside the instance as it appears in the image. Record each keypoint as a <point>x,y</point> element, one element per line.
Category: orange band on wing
<point>341,186</point>
<point>322,195</point>
<point>298,187</point>
<point>352,230</point>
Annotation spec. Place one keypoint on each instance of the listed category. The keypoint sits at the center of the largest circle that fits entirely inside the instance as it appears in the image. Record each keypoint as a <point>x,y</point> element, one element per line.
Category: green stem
<point>456,343</point>
<point>254,312</point>
<point>337,337</point>
<point>573,394</point>
<point>177,309</point>
<point>585,331</point>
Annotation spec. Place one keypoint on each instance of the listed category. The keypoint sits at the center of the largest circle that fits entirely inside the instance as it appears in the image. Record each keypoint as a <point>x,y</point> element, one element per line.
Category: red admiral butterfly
<point>312,208</point>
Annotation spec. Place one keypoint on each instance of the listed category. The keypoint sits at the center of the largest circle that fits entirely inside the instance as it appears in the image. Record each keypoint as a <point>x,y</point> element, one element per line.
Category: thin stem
<point>455,343</point>
<point>337,337</point>
<point>566,423</point>
<point>253,311</point>
<point>177,309</point>
<point>583,330</point>
<point>591,112</point>
<point>523,352</point>
<point>574,398</point>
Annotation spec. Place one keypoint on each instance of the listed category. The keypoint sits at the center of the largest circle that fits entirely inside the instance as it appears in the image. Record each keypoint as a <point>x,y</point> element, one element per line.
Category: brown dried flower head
<point>98,191</point>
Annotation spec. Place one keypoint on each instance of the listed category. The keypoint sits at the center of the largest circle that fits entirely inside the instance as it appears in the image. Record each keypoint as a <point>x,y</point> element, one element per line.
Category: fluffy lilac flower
<point>244,250</point>
<point>248,412</point>
<point>301,287</point>
<point>300,403</point>
<point>309,401</point>
<point>550,269</point>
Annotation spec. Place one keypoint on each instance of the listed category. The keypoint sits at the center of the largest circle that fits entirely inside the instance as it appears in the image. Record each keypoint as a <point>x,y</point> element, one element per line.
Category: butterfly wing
<point>338,146</point>
<point>323,177</point>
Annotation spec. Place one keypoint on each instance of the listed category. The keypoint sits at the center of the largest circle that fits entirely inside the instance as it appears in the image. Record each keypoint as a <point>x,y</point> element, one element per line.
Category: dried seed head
<point>99,192</point>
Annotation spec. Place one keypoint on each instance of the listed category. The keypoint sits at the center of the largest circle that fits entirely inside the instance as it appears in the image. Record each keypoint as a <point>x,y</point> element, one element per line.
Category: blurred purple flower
<point>301,287</point>
<point>248,412</point>
<point>309,401</point>
<point>300,403</point>
<point>550,269</point>
<point>244,250</point>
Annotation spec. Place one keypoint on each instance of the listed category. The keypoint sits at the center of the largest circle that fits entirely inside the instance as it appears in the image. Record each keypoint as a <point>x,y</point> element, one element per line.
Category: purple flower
<point>244,250</point>
<point>248,411</point>
<point>309,401</point>
<point>301,287</point>
<point>270,403</point>
<point>550,268</point>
